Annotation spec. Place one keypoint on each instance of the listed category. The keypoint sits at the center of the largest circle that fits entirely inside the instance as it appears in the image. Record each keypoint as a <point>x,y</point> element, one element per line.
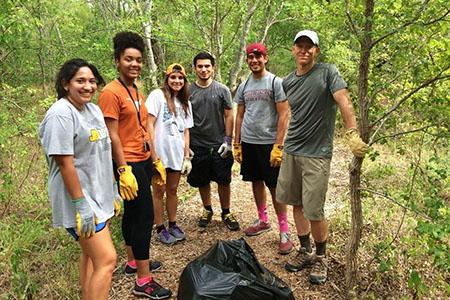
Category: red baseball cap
<point>259,48</point>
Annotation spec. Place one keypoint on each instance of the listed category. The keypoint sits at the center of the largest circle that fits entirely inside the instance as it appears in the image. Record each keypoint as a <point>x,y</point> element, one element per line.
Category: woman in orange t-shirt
<point>126,118</point>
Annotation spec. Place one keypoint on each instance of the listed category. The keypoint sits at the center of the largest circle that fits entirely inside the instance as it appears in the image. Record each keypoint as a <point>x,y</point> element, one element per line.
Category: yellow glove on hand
<point>117,200</point>
<point>237,152</point>
<point>357,146</point>
<point>275,155</point>
<point>159,172</point>
<point>127,183</point>
<point>85,218</point>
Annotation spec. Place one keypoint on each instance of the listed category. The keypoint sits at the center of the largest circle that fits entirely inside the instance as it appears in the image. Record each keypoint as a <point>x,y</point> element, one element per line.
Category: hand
<point>86,220</point>
<point>225,148</point>
<point>357,146</point>
<point>275,155</point>
<point>159,172</point>
<point>117,200</point>
<point>127,183</point>
<point>187,166</point>
<point>237,152</point>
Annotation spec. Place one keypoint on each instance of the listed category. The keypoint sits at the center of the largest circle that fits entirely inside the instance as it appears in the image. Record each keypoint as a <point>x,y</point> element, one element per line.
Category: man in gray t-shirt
<point>261,122</point>
<point>314,92</point>
<point>210,139</point>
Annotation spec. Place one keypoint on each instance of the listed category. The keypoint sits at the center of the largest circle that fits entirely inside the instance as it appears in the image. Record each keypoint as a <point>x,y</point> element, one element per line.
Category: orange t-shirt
<point>115,103</point>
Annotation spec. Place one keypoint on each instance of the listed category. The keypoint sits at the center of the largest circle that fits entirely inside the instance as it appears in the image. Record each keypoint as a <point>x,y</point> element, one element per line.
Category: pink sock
<point>262,213</point>
<point>282,221</point>
<point>132,264</point>
<point>142,281</point>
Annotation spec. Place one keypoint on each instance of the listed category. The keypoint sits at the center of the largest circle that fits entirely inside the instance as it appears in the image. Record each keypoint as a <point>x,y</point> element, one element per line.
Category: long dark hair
<point>69,69</point>
<point>182,96</point>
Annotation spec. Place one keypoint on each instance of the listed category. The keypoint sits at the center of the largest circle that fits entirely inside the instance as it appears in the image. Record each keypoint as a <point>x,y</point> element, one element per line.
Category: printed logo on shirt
<point>98,134</point>
<point>257,95</point>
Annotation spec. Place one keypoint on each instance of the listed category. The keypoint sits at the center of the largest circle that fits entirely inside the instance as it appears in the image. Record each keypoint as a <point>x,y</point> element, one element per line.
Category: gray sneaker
<point>166,238</point>
<point>177,233</point>
<point>319,270</point>
<point>301,260</point>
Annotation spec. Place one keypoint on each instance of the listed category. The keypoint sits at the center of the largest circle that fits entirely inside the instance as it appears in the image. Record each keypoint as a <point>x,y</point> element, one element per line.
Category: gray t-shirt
<point>208,105</point>
<point>83,134</point>
<point>259,125</point>
<point>313,110</point>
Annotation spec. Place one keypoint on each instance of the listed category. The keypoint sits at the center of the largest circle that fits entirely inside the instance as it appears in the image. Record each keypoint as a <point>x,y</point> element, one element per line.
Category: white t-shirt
<point>67,131</point>
<point>169,130</point>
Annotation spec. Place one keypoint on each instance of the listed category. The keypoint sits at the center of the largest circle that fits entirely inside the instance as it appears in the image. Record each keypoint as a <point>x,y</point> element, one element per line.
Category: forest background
<point>394,55</point>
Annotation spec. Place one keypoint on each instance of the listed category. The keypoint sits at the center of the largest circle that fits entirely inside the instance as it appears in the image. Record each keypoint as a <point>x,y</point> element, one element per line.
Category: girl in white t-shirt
<point>170,117</point>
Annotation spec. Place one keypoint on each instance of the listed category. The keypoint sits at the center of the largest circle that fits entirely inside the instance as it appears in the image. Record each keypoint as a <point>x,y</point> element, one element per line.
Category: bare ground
<point>265,246</point>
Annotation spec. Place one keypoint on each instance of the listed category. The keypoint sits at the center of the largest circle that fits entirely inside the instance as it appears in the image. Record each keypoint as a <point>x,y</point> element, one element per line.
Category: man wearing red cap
<point>261,122</point>
<point>314,91</point>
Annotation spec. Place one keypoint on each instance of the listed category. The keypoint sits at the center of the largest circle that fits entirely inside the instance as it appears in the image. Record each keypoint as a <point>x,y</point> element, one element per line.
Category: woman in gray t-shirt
<point>80,180</point>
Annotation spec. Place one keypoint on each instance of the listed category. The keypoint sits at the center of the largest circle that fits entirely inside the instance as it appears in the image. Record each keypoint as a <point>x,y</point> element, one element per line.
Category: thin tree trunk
<point>241,49</point>
<point>355,166</point>
<point>146,13</point>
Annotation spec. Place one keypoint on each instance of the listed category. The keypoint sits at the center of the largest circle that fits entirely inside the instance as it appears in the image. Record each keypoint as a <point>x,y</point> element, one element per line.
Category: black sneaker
<point>205,218</point>
<point>151,290</point>
<point>154,266</point>
<point>230,221</point>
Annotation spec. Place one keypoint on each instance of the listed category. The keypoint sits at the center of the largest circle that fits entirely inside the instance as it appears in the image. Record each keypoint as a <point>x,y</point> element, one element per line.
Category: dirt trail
<point>176,257</point>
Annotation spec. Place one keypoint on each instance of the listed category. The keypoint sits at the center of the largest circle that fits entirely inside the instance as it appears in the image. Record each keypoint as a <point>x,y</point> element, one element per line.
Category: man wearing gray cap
<point>314,91</point>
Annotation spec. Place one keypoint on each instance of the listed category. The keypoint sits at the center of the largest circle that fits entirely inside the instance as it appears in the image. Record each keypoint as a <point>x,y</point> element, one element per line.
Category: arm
<point>239,119</point>
<point>186,142</point>
<point>151,133</point>
<point>342,97</point>
<point>116,144</point>
<point>69,175</point>
<point>228,113</point>
<point>282,110</point>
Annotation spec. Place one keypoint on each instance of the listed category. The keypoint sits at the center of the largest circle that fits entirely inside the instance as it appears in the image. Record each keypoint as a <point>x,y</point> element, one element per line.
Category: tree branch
<point>412,92</point>
<point>400,133</point>
<point>395,201</point>
<point>349,17</point>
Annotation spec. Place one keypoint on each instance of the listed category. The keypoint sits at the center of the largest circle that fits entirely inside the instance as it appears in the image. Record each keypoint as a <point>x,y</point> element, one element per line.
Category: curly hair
<point>69,69</point>
<point>126,39</point>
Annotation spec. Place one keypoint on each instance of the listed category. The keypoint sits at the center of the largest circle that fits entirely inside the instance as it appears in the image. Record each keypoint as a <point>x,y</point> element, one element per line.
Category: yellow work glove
<point>357,146</point>
<point>159,172</point>
<point>127,183</point>
<point>275,155</point>
<point>237,152</point>
<point>85,217</point>
<point>117,200</point>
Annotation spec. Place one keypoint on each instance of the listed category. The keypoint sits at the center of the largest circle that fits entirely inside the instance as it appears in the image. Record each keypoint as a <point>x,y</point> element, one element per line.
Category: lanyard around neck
<point>132,99</point>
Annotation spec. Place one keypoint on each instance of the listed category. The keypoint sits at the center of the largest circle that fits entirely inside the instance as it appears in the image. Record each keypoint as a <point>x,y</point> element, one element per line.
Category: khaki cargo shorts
<point>303,181</point>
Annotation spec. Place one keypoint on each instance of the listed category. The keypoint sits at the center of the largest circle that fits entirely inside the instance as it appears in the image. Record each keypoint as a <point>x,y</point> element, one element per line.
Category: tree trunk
<point>355,166</point>
<point>241,49</point>
<point>146,14</point>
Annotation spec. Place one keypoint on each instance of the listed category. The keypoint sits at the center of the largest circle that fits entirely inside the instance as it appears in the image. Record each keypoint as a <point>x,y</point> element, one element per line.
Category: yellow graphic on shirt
<point>98,134</point>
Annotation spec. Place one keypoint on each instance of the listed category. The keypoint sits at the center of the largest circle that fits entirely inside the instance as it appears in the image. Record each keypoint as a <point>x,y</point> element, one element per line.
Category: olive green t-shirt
<point>313,110</point>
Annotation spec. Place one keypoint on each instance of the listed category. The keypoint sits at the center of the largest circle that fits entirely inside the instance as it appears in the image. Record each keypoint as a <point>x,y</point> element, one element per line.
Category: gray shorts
<point>303,181</point>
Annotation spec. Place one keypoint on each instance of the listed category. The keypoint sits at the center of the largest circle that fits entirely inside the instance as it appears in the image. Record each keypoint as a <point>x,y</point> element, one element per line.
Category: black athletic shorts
<point>207,166</point>
<point>256,164</point>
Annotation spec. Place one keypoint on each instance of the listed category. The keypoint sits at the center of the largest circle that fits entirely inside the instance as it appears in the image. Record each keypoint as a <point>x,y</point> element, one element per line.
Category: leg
<point>205,194</point>
<point>259,192</point>
<point>173,180</point>
<point>224,191</point>
<point>100,260</point>
<point>301,223</point>
<point>319,230</point>
<point>85,270</point>
<point>158,205</point>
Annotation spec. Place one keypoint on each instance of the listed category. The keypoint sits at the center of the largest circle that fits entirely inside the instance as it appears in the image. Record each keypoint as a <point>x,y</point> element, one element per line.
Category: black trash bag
<point>229,270</point>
